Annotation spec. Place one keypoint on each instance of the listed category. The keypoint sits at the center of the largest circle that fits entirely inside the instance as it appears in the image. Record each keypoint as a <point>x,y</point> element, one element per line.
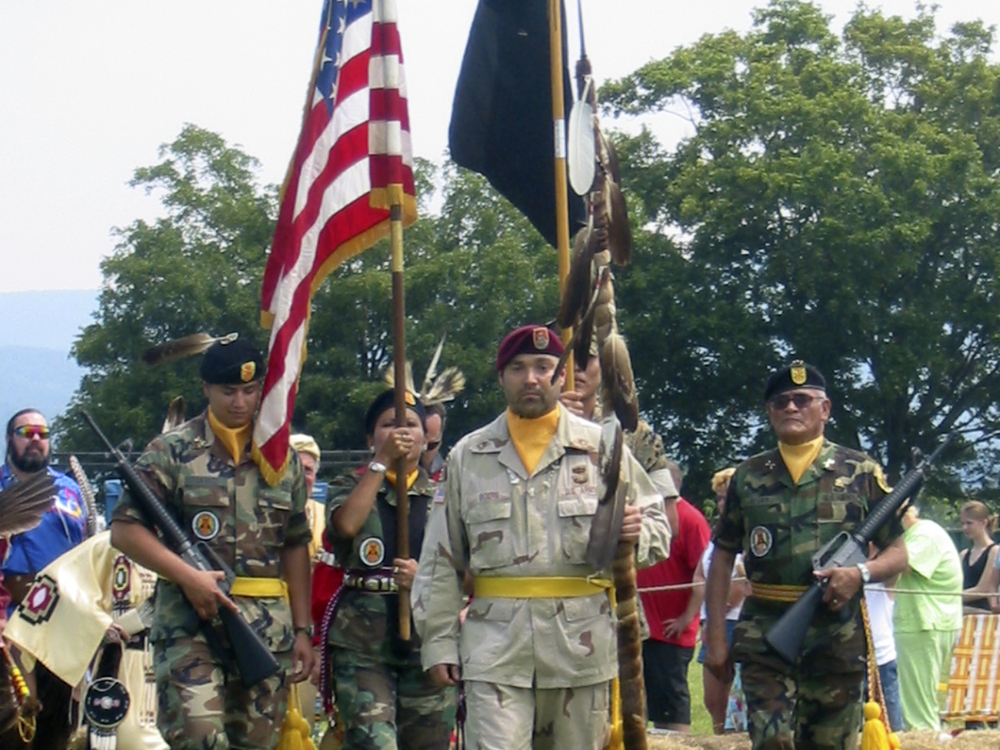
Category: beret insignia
<point>247,371</point>
<point>540,338</point>
<point>798,373</point>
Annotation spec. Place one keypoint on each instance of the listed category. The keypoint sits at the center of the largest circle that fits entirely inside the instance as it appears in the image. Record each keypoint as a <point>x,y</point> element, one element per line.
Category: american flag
<point>353,160</point>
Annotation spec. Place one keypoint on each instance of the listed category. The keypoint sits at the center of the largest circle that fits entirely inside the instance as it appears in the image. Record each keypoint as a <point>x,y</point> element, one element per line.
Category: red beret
<point>529,339</point>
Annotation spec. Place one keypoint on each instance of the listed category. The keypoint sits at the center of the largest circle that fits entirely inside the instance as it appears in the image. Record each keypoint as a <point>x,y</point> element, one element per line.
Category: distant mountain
<point>45,320</point>
<point>44,379</point>
<point>37,332</point>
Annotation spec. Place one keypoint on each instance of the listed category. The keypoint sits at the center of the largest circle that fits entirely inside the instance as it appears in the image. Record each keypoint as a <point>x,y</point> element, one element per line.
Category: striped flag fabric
<point>352,162</point>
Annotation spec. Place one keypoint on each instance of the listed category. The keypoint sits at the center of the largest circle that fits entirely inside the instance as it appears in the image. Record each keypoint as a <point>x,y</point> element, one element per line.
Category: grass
<point>701,721</point>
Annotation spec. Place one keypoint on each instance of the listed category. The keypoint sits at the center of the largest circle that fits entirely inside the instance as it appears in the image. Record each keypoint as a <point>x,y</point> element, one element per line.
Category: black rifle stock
<point>844,550</point>
<point>253,658</point>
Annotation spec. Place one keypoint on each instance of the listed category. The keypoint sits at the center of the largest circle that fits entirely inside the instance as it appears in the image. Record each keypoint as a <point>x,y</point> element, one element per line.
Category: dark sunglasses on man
<point>801,400</point>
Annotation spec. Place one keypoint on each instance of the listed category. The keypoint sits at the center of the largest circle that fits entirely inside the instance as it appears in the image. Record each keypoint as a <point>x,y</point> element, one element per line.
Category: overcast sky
<point>90,90</point>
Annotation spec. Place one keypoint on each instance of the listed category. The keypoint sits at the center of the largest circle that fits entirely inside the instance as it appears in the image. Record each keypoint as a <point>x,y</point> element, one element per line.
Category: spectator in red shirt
<point>673,619</point>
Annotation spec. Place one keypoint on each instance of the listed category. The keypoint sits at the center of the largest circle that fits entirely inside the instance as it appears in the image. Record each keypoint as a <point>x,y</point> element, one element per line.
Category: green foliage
<point>196,269</point>
<point>837,201</point>
<point>472,272</point>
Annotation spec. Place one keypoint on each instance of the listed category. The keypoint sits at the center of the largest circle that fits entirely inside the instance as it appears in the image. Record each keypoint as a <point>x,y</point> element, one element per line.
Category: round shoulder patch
<point>761,541</point>
<point>205,525</point>
<point>372,551</point>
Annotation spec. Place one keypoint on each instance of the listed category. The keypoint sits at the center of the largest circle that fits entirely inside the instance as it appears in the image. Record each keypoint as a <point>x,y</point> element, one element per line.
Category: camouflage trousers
<point>385,706</point>
<point>503,717</point>
<point>201,707</point>
<point>812,706</point>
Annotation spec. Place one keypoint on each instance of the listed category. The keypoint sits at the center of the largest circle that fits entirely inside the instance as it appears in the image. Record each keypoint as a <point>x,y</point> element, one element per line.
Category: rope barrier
<point>692,585</point>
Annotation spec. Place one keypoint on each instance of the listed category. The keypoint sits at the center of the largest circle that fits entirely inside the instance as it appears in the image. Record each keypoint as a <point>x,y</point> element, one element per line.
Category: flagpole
<point>399,369</point>
<point>559,143</point>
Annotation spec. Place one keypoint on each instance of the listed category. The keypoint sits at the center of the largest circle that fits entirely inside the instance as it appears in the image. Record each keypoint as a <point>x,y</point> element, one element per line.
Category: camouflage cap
<point>232,361</point>
<point>794,375</point>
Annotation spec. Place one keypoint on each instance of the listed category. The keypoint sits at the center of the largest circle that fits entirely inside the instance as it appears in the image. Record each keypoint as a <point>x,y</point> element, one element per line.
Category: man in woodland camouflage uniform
<point>537,649</point>
<point>782,507</point>
<point>204,475</point>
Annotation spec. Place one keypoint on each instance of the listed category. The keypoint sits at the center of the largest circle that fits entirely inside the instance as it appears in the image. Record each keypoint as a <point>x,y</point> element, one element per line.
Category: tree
<point>473,272</point>
<point>838,201</point>
<point>196,269</point>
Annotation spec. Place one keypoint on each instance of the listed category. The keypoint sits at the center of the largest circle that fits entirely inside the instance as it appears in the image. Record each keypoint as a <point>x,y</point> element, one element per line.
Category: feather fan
<point>23,504</point>
<point>445,387</point>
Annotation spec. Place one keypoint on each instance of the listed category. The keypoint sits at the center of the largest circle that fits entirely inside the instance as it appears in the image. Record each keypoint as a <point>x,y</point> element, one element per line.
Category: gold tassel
<point>295,734</point>
<point>874,735</point>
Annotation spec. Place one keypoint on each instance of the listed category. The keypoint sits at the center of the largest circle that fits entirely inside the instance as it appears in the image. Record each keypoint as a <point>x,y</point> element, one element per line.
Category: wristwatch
<point>307,629</point>
<point>378,467</point>
<point>866,575</point>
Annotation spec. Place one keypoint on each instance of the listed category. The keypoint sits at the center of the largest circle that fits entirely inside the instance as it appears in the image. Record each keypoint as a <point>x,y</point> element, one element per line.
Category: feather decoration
<point>23,504</point>
<point>175,415</point>
<point>186,346</point>
<point>445,387</point>
<point>87,492</point>
<point>576,291</point>
<point>432,369</point>
<point>390,377</point>
<point>607,522</point>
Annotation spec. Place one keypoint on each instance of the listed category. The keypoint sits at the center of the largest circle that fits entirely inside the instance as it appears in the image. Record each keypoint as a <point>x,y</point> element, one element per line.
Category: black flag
<point>501,120</point>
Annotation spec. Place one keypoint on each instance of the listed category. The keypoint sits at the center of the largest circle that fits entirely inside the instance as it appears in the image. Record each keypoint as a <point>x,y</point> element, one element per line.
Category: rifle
<point>843,551</point>
<point>254,660</point>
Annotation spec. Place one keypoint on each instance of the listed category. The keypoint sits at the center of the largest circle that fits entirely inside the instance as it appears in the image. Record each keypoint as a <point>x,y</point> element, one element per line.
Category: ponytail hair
<point>978,511</point>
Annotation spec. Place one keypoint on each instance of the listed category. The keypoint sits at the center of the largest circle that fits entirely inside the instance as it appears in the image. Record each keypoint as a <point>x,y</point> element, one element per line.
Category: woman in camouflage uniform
<point>385,698</point>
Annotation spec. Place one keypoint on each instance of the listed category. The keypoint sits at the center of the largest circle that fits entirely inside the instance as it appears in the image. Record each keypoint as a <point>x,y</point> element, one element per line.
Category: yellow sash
<point>259,588</point>
<point>540,587</point>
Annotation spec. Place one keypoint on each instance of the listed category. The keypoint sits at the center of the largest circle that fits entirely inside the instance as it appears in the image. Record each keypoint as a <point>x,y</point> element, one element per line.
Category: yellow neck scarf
<point>532,436</point>
<point>233,439</point>
<point>798,458</point>
<point>390,477</point>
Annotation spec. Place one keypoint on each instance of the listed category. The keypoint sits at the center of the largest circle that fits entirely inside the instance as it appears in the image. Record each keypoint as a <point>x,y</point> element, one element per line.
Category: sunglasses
<point>801,400</point>
<point>29,431</point>
<point>433,444</point>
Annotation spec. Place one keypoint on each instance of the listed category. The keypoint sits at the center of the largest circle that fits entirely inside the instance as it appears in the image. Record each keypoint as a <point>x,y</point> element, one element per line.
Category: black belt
<point>374,582</point>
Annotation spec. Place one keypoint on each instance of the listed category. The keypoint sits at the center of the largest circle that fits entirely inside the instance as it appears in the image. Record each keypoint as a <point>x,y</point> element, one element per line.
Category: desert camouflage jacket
<point>231,507</point>
<point>495,520</point>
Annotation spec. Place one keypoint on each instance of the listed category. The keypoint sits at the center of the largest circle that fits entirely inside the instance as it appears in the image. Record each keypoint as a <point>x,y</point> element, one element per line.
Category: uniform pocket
<point>491,544</point>
<point>576,515</point>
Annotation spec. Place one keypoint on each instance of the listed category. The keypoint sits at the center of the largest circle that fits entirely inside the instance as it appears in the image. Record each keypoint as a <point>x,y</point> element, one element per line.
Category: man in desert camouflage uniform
<point>782,507</point>
<point>537,649</point>
<point>204,475</point>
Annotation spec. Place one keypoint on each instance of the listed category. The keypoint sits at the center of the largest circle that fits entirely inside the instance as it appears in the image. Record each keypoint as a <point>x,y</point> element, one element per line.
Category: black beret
<point>795,375</point>
<point>530,339</point>
<point>386,400</point>
<point>232,361</point>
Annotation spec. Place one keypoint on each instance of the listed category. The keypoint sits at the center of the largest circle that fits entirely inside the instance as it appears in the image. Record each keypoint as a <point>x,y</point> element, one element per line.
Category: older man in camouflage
<point>537,649</point>
<point>204,475</point>
<point>782,506</point>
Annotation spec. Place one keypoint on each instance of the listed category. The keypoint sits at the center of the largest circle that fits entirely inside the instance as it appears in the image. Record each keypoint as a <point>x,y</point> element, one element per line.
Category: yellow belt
<point>540,587</point>
<point>259,588</point>
<point>776,593</point>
